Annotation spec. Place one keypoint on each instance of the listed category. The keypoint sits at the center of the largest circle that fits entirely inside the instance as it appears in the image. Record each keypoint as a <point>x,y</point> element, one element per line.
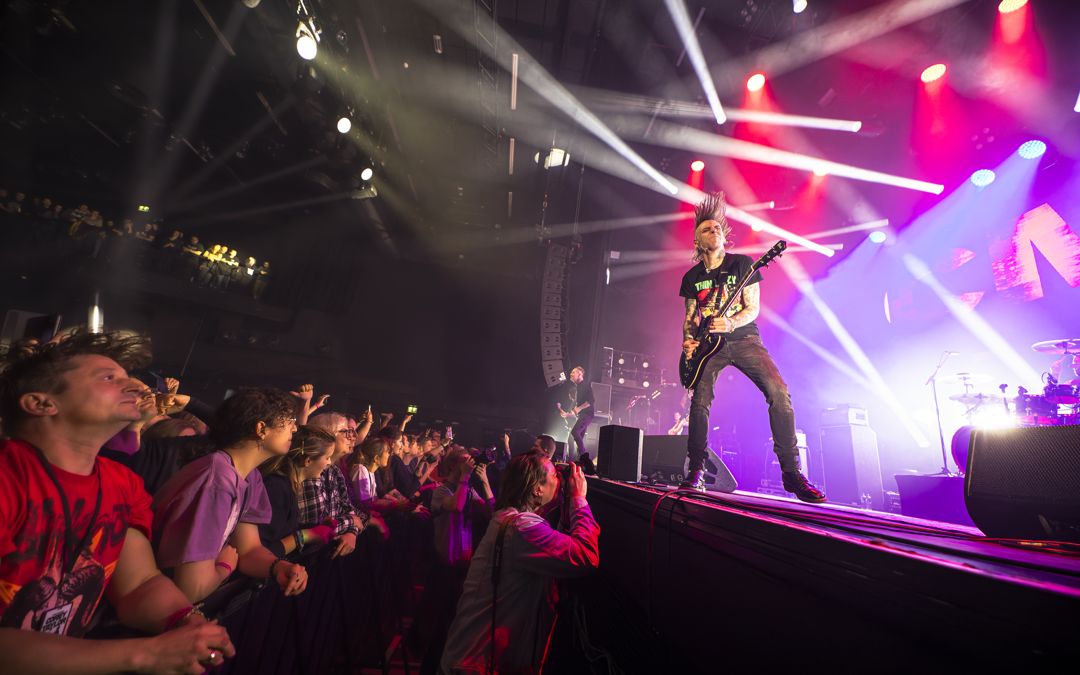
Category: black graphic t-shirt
<point>697,283</point>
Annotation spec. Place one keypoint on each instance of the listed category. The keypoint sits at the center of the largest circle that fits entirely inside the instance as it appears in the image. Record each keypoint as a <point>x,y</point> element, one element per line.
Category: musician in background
<point>1066,370</point>
<point>581,397</point>
<point>679,428</point>
<point>742,348</point>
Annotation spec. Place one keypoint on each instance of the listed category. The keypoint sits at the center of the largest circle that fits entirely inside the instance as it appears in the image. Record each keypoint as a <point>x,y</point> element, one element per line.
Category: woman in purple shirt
<point>206,517</point>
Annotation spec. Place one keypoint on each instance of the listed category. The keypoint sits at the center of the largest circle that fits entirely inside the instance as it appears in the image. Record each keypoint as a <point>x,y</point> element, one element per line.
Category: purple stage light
<point>982,177</point>
<point>1032,150</point>
<point>878,237</point>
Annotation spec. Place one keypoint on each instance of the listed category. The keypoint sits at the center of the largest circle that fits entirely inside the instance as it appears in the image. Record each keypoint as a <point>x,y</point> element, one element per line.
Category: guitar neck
<point>703,328</point>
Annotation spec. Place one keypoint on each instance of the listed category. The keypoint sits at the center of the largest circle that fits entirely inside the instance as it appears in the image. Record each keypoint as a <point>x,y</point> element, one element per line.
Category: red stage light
<point>697,166</point>
<point>1006,6</point>
<point>756,82</point>
<point>933,73</point>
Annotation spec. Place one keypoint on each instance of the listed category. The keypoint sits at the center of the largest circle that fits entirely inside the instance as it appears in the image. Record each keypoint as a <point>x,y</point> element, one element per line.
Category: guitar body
<point>690,368</point>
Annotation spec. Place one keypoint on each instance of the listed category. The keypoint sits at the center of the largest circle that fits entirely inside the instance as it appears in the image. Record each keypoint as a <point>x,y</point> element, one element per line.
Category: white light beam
<point>681,17</point>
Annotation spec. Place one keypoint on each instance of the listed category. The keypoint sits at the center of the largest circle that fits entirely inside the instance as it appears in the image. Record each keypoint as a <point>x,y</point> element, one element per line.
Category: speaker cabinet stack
<point>852,467</point>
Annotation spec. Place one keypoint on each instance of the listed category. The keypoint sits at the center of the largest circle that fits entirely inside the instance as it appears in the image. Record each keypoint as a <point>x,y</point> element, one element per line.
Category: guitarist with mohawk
<point>742,348</point>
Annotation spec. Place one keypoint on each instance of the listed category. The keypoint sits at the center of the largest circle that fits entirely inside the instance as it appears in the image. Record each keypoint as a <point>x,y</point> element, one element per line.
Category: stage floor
<point>937,542</point>
<point>868,582</point>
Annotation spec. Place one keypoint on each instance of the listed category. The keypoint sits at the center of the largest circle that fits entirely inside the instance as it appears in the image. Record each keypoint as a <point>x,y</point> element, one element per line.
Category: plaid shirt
<point>327,497</point>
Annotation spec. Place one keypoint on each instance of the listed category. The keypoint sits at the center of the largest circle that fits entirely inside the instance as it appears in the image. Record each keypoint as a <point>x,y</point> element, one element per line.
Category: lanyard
<point>71,546</point>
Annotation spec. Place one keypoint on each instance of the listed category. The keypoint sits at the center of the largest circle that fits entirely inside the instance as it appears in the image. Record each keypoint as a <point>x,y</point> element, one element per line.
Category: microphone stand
<point>932,381</point>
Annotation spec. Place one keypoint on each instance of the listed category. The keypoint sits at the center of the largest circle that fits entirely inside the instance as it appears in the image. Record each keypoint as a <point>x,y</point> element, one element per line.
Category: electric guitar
<point>691,367</point>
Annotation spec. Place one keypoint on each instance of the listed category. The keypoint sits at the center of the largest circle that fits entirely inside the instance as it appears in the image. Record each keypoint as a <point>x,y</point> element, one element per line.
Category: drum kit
<point>1058,404</point>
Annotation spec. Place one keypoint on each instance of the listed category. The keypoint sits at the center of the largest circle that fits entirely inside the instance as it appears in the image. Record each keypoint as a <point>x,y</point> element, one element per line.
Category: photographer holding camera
<point>509,589</point>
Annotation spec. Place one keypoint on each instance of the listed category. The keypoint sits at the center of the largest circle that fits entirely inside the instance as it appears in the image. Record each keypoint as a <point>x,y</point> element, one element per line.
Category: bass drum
<point>961,441</point>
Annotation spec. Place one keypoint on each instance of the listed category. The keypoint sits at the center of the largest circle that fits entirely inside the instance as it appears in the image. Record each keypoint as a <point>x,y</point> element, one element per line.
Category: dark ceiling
<point>204,110</point>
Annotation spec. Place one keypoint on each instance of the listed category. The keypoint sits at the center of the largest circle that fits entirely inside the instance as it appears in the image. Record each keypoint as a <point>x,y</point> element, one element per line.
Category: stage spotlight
<point>645,364</point>
<point>1032,150</point>
<point>798,6</point>
<point>1007,6</point>
<point>622,380</point>
<point>367,173</point>
<point>554,157</point>
<point>933,73</point>
<point>756,82</point>
<point>645,384</point>
<point>697,166</point>
<point>982,177</point>
<point>344,124</point>
<point>306,45</point>
<point>622,361</point>
<point>878,237</point>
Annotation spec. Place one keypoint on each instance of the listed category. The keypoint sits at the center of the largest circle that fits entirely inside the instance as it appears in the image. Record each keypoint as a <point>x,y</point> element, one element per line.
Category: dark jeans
<point>753,360</point>
<point>577,435</point>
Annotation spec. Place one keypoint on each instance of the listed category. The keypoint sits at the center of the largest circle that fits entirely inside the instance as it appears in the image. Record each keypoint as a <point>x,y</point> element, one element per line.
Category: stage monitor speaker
<point>1024,483</point>
<point>666,456</point>
<point>619,454</point>
<point>933,498</point>
<point>852,468</point>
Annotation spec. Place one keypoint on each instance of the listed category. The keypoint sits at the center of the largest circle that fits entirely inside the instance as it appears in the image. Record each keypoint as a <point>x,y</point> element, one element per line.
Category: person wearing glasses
<point>207,516</point>
<point>325,500</point>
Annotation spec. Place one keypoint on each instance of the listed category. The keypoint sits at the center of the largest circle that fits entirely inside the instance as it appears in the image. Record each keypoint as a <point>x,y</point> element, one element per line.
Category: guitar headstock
<point>772,254</point>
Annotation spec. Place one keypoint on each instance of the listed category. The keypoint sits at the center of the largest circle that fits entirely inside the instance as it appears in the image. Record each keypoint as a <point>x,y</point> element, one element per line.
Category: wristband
<point>179,615</point>
<point>221,563</point>
<point>299,537</point>
<point>273,565</point>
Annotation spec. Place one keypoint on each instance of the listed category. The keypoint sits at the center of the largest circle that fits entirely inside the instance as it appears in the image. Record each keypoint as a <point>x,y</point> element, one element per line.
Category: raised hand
<point>304,392</point>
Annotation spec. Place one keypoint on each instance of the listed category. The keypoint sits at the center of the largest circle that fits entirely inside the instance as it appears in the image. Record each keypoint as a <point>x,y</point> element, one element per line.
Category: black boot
<point>795,482</point>
<point>695,480</point>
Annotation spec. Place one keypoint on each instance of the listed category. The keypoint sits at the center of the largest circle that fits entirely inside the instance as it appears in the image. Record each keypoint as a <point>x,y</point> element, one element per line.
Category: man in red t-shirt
<point>75,527</point>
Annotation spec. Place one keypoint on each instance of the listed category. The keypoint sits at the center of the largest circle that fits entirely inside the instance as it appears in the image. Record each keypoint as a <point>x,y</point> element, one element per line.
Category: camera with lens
<point>485,456</point>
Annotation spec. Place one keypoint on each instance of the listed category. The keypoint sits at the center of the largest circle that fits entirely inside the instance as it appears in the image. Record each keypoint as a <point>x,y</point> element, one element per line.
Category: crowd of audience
<point>218,266</point>
<point>154,502</point>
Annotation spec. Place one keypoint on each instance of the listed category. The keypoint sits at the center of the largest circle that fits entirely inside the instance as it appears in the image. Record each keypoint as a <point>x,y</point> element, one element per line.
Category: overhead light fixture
<point>697,166</point>
<point>982,177</point>
<point>755,82</point>
<point>307,33</point>
<point>1032,150</point>
<point>306,44</point>
<point>555,157</point>
<point>933,73</point>
<point>798,6</point>
<point>878,237</point>
<point>344,125</point>
<point>1007,6</point>
<point>367,173</point>
<point>143,208</point>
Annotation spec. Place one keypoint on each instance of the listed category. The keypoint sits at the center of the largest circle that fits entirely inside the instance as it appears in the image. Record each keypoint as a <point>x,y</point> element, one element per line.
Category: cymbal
<point>1065,346</point>
<point>975,399</point>
<point>966,378</point>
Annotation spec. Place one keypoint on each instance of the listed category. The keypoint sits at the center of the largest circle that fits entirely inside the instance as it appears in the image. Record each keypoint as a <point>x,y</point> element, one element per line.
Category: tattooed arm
<point>751,301</point>
<point>690,320</point>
